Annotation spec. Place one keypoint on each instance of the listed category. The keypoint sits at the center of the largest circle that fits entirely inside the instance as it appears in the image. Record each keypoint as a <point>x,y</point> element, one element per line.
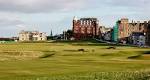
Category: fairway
<point>72,61</point>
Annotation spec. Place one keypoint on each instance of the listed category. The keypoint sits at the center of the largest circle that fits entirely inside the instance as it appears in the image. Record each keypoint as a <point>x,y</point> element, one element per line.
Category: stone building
<point>126,28</point>
<point>32,36</point>
<point>85,28</point>
<point>105,33</point>
<point>123,27</point>
<point>137,38</point>
<point>108,36</point>
<point>148,34</point>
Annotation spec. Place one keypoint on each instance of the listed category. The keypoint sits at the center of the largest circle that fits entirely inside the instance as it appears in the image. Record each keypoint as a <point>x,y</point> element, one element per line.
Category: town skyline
<point>57,15</point>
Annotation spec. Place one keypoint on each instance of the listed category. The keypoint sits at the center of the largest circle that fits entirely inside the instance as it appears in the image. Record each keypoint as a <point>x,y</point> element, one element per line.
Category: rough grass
<point>92,76</point>
<point>64,61</point>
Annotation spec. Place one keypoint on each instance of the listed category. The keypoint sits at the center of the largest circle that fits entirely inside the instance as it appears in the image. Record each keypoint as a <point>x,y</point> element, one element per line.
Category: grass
<point>64,61</point>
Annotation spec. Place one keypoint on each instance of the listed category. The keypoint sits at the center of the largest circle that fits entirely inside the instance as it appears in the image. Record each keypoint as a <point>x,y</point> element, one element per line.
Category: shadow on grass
<point>135,57</point>
<point>146,52</point>
<point>76,41</point>
<point>143,55</point>
<point>99,44</point>
<point>76,50</point>
<point>47,54</point>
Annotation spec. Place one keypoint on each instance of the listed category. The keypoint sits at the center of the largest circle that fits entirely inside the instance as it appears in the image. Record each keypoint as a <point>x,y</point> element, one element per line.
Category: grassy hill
<point>73,61</point>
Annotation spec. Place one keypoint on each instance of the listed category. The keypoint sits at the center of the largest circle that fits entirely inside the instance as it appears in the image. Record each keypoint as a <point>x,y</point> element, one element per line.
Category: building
<point>124,29</point>
<point>32,36</point>
<point>85,28</point>
<point>137,38</point>
<point>108,36</point>
<point>115,32</point>
<point>6,39</point>
<point>148,34</point>
<point>105,31</point>
<point>135,32</point>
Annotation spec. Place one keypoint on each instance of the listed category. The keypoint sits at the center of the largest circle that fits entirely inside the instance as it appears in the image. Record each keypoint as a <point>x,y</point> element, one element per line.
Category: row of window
<point>35,39</point>
<point>85,22</point>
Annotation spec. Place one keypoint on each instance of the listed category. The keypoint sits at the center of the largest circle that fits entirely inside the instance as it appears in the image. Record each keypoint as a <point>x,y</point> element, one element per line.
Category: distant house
<point>4,40</point>
<point>137,38</point>
<point>105,33</point>
<point>107,36</point>
<point>32,36</point>
<point>15,39</point>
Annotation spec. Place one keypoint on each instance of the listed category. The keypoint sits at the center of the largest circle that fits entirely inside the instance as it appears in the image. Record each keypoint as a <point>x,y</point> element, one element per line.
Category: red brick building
<point>85,28</point>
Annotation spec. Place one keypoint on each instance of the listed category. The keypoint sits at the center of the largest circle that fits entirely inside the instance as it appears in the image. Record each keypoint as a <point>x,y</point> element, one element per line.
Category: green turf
<point>64,61</point>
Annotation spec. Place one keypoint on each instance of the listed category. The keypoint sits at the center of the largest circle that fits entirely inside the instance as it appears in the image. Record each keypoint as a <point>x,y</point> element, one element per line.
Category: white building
<point>32,36</point>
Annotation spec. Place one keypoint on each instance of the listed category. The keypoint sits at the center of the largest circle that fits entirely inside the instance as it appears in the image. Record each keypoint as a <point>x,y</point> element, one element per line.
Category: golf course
<point>87,60</point>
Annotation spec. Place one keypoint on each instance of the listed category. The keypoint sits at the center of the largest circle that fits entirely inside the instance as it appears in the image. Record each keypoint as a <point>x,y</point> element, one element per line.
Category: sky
<point>57,15</point>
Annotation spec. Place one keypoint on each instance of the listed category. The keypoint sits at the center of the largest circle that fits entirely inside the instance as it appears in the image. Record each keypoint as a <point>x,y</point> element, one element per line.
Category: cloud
<point>43,6</point>
<point>35,6</point>
<point>135,5</point>
<point>131,3</point>
<point>57,14</point>
<point>9,20</point>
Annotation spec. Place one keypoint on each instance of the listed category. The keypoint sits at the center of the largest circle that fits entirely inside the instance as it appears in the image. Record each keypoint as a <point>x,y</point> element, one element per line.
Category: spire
<point>75,18</point>
<point>51,33</point>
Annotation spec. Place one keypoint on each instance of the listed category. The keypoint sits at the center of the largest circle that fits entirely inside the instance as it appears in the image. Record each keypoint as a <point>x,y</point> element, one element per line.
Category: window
<point>90,22</point>
<point>140,27</point>
<point>81,22</point>
<point>84,22</point>
<point>87,22</point>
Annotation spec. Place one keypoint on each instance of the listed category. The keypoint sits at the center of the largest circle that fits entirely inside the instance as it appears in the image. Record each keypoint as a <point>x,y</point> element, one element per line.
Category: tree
<point>69,34</point>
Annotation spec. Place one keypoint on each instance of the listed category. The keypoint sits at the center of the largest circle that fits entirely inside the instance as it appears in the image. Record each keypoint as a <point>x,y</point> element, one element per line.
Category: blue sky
<point>44,15</point>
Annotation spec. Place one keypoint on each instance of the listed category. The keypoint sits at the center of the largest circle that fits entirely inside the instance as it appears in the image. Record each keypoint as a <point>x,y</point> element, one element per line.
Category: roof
<point>5,39</point>
<point>93,19</point>
<point>137,33</point>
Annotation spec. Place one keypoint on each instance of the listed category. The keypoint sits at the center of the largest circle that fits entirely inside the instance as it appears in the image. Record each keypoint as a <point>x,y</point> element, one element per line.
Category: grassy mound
<point>19,55</point>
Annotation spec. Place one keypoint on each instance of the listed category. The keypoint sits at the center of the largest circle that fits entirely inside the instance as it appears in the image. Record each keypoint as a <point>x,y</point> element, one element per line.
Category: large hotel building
<point>85,28</point>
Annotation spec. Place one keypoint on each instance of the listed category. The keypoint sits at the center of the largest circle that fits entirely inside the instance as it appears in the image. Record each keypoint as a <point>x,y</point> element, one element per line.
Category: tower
<point>51,33</point>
